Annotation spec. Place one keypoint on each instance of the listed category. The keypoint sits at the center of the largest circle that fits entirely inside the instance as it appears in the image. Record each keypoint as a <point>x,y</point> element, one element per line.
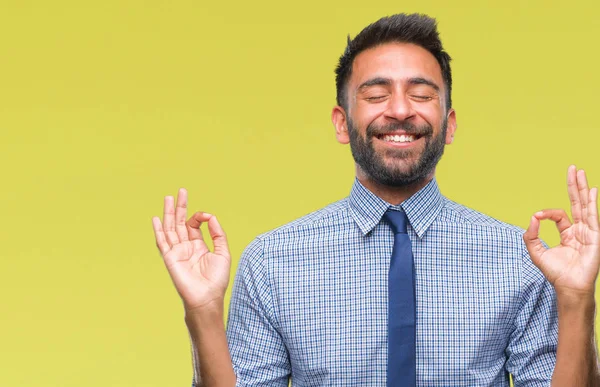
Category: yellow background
<point>106,107</point>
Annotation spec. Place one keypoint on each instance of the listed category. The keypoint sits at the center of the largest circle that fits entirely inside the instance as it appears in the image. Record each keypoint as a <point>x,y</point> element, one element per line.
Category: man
<point>395,285</point>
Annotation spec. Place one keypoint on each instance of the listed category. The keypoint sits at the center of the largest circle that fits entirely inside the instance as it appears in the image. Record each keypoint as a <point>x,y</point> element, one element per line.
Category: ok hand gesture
<point>572,266</point>
<point>200,276</point>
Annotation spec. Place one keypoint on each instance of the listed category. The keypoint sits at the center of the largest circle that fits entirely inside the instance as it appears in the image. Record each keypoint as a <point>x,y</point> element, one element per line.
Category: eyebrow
<point>423,81</point>
<point>379,81</point>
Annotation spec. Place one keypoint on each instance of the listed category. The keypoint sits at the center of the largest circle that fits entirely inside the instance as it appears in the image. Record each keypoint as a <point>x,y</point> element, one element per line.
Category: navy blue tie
<point>401,369</point>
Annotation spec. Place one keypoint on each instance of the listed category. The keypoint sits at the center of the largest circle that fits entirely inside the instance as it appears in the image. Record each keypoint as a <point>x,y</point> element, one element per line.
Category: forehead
<point>396,61</point>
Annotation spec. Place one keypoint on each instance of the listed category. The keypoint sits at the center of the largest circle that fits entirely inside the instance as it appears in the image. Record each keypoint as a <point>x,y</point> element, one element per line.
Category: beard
<point>394,174</point>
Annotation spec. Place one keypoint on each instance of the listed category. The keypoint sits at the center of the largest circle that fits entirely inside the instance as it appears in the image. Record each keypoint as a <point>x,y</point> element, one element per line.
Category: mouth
<point>399,139</point>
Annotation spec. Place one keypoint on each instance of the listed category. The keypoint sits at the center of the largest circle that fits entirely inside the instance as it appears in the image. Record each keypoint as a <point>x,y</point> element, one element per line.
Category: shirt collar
<point>422,208</point>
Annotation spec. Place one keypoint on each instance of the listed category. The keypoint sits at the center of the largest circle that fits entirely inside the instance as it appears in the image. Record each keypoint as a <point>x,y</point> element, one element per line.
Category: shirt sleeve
<point>531,350</point>
<point>258,352</point>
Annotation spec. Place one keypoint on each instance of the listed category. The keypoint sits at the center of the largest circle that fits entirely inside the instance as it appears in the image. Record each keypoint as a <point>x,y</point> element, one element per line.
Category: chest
<point>331,302</point>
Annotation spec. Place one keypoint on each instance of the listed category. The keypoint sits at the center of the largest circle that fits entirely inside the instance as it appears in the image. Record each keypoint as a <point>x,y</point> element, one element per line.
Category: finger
<point>161,242</point>
<point>533,242</point>
<point>218,236</point>
<point>584,193</point>
<point>574,194</point>
<point>169,221</point>
<point>593,210</point>
<point>181,215</point>
<point>195,233</point>
<point>558,216</point>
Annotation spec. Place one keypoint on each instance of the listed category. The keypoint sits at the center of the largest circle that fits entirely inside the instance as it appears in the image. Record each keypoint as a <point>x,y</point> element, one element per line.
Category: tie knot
<point>398,221</point>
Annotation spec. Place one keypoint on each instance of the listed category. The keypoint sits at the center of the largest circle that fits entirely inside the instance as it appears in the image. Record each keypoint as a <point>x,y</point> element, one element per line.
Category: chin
<point>402,177</point>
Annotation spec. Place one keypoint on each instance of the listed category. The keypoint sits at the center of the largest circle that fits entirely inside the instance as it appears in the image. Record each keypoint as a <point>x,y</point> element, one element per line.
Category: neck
<point>392,195</point>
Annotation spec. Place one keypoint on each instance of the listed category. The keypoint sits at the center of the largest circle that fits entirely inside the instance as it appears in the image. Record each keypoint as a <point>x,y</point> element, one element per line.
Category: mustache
<point>410,129</point>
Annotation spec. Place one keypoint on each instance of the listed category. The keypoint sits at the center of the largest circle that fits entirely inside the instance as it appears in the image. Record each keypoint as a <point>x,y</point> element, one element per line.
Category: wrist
<point>580,304</point>
<point>575,297</point>
<point>213,311</point>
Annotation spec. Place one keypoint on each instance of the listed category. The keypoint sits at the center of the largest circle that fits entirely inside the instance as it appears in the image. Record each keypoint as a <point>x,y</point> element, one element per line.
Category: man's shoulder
<point>285,239</point>
<point>312,223</point>
<point>457,213</point>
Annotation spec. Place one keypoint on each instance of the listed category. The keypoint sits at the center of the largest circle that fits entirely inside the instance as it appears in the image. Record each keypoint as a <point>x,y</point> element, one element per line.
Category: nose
<point>399,107</point>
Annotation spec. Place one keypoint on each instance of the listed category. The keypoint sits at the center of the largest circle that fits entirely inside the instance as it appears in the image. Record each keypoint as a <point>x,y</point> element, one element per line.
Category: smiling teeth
<point>399,138</point>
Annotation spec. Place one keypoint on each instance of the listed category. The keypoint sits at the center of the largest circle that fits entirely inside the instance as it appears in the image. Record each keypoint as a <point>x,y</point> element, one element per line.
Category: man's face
<point>396,121</point>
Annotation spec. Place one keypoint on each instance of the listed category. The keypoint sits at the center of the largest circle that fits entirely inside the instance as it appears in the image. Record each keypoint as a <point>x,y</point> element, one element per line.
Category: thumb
<point>533,242</point>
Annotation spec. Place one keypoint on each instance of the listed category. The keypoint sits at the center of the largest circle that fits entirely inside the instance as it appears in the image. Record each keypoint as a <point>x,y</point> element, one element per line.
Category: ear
<point>451,126</point>
<point>338,117</point>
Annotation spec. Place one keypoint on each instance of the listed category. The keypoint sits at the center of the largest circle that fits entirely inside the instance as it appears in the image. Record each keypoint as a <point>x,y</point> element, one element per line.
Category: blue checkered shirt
<point>309,301</point>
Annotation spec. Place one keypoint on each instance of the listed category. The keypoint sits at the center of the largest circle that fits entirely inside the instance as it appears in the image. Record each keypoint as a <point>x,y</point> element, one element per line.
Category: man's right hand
<point>200,276</point>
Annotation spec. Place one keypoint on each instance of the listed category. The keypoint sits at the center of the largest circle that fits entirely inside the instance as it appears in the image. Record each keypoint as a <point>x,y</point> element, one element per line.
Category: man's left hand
<point>572,266</point>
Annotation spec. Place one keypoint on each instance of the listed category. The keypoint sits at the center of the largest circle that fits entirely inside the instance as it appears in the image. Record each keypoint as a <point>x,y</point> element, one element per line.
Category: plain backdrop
<point>108,106</point>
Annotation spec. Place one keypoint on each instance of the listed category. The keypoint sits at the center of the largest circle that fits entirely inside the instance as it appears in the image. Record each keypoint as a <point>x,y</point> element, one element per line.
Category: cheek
<point>365,114</point>
<point>428,112</point>
<point>433,119</point>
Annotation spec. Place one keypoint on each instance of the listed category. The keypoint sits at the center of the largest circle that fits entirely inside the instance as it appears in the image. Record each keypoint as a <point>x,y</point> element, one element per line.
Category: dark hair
<point>413,28</point>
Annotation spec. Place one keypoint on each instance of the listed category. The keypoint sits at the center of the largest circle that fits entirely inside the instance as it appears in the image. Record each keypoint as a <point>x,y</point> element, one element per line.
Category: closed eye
<point>422,97</point>
<point>375,98</point>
